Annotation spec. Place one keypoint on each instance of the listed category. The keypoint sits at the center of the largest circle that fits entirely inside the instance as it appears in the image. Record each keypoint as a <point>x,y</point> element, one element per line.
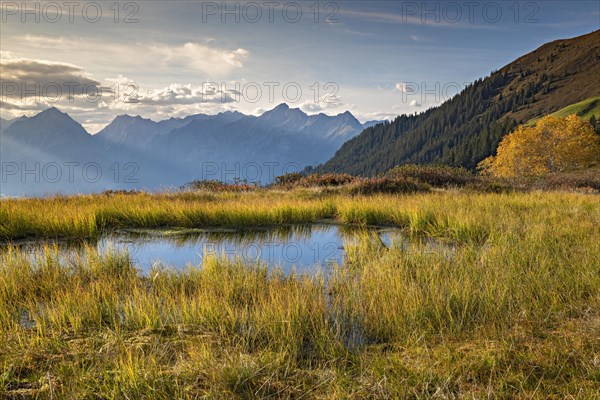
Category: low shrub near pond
<point>288,180</point>
<point>434,175</point>
<point>296,180</point>
<point>219,186</point>
<point>409,179</point>
<point>575,180</point>
<point>370,186</point>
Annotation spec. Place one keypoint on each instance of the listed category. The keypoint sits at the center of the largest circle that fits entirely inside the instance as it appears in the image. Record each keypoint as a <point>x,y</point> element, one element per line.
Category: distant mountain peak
<point>231,113</point>
<point>285,117</point>
<point>51,111</point>
<point>127,117</point>
<point>50,126</point>
<point>53,115</point>
<point>284,109</point>
<point>282,106</point>
<point>347,115</point>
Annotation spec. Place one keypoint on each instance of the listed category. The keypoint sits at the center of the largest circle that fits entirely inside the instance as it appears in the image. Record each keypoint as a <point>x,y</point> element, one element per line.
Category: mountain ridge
<point>468,127</point>
<point>169,152</point>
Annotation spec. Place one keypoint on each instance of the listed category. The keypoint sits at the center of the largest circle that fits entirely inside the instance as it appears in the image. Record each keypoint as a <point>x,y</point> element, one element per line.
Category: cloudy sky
<point>159,59</point>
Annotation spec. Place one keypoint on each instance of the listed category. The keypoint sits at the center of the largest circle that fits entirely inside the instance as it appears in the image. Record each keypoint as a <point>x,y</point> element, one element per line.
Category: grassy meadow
<point>512,310</point>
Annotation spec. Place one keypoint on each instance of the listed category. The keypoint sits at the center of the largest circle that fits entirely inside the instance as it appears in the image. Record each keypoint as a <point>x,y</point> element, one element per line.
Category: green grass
<point>584,109</point>
<point>442,214</point>
<point>512,310</point>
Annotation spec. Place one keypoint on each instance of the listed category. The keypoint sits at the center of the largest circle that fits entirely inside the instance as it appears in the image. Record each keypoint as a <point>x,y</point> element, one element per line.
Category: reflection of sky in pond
<point>304,248</point>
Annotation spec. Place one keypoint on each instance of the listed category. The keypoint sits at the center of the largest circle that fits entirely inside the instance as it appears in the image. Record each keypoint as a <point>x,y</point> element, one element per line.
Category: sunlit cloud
<point>200,57</point>
<point>205,56</point>
<point>42,80</point>
<point>402,87</point>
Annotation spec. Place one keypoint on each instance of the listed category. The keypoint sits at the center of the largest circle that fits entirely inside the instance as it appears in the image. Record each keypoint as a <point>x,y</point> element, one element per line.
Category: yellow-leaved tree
<point>552,145</point>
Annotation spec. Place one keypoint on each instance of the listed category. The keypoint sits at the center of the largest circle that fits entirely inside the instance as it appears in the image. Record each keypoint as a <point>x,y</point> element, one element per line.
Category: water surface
<point>303,248</point>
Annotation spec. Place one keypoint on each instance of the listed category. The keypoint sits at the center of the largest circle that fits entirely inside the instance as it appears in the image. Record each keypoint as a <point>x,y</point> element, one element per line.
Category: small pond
<point>303,248</point>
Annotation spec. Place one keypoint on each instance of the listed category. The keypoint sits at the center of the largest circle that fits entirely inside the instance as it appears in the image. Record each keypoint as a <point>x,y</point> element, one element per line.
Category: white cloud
<point>179,94</point>
<point>402,87</point>
<point>258,111</point>
<point>175,100</point>
<point>193,57</point>
<point>326,102</point>
<point>407,87</point>
<point>415,103</point>
<point>43,80</point>
<point>30,85</point>
<point>375,116</point>
<point>200,57</point>
<point>419,38</point>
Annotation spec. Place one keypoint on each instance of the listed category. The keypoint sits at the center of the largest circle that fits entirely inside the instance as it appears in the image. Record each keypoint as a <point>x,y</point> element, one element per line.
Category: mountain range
<point>51,153</point>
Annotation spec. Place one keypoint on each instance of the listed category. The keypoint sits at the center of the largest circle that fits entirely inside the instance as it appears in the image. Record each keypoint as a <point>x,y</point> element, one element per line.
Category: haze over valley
<point>51,153</point>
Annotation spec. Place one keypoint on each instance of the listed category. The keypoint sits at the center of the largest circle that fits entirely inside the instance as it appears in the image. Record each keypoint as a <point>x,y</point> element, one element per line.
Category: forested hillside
<point>467,128</point>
